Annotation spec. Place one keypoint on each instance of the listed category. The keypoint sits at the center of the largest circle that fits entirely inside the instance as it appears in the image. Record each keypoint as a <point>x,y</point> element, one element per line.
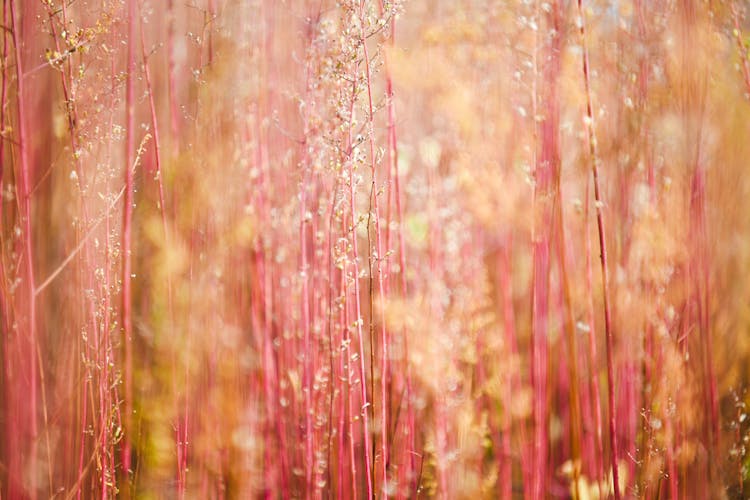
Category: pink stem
<point>603,254</point>
<point>593,363</point>
<point>28,244</point>
<point>127,238</point>
<point>358,311</point>
<point>378,258</point>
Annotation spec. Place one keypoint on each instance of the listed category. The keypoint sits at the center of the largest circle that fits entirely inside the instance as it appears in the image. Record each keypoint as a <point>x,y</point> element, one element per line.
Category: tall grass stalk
<point>127,239</point>
<point>599,207</point>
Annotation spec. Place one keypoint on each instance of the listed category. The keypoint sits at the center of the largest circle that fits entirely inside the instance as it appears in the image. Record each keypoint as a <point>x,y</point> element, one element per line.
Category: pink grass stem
<point>358,309</point>
<point>378,258</point>
<point>127,238</point>
<point>28,243</point>
<point>592,354</point>
<point>591,136</point>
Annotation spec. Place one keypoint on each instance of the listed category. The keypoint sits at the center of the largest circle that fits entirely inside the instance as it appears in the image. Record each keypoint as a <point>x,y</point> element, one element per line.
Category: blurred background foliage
<point>365,251</point>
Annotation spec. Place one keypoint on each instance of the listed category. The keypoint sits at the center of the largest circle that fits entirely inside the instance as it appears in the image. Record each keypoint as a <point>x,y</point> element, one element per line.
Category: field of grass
<point>374,249</point>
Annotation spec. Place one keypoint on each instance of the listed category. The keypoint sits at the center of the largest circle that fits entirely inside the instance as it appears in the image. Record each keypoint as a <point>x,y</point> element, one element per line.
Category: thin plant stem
<point>25,189</point>
<point>127,240</point>
<point>599,207</point>
<point>377,258</point>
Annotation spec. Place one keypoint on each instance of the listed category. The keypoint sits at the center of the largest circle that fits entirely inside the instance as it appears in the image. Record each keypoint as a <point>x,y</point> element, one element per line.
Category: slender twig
<point>127,237</point>
<point>599,206</point>
<point>377,257</point>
